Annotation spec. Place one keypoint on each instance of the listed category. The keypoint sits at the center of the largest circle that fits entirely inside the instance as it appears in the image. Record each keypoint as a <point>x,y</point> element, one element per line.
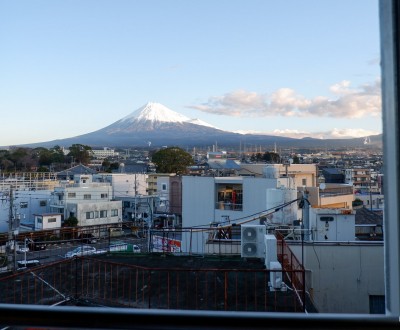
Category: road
<point>56,251</point>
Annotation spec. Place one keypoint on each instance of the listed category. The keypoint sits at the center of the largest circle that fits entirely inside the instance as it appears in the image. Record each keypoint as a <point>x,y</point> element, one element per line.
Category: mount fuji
<point>156,125</point>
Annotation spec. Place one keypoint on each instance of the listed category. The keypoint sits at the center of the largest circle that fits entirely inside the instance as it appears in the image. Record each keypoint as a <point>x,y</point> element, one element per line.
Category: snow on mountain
<point>155,112</point>
<point>200,122</point>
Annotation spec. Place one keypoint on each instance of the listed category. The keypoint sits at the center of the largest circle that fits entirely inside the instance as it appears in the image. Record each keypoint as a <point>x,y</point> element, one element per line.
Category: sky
<point>288,67</point>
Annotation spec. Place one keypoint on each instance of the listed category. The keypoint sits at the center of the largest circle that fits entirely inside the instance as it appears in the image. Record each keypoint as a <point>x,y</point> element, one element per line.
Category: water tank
<point>270,172</point>
<point>275,198</point>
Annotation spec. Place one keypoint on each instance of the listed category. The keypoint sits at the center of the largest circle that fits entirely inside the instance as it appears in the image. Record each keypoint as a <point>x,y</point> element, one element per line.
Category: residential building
<point>91,203</point>
<point>359,177</point>
<point>47,221</point>
<point>304,175</point>
<point>104,153</point>
<point>124,184</point>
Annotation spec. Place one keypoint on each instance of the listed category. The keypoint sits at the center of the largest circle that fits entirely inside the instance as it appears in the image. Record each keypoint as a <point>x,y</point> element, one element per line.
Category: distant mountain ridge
<point>158,125</point>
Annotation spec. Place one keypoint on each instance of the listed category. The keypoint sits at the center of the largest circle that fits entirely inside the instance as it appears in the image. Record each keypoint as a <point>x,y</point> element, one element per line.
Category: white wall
<point>124,185</point>
<point>33,198</point>
<point>80,210</point>
<point>341,277</point>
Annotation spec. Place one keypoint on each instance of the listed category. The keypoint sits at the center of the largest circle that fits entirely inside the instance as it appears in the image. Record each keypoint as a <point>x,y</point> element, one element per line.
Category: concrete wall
<point>124,184</point>
<point>80,210</point>
<point>341,277</point>
<point>32,200</point>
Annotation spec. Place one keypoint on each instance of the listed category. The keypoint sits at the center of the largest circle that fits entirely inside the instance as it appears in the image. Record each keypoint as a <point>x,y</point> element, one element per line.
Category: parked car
<point>35,244</point>
<point>83,250</point>
<point>87,238</point>
<point>21,248</point>
<point>22,264</point>
<point>116,232</point>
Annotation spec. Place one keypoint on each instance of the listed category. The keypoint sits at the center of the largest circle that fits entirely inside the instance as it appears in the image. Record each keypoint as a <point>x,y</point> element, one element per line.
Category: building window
<point>23,205</point>
<point>51,220</point>
<point>304,182</point>
<point>114,212</point>
<point>43,203</point>
<point>164,187</point>
<point>87,196</point>
<point>229,197</point>
<point>103,214</point>
<point>90,215</point>
<point>104,195</point>
<point>71,195</point>
<point>39,220</point>
<point>96,214</point>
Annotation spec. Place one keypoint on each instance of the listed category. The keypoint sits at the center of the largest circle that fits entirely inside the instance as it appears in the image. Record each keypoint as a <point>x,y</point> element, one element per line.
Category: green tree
<point>172,160</point>
<point>296,159</point>
<point>80,153</point>
<point>271,157</point>
<point>71,222</point>
<point>58,155</point>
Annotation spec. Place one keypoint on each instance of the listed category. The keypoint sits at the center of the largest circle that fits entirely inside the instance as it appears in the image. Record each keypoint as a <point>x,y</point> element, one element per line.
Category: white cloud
<point>348,103</point>
<point>336,133</point>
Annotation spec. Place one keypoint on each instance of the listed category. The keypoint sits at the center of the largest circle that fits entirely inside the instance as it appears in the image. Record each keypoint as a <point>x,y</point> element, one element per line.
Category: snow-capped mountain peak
<point>200,122</point>
<point>155,112</point>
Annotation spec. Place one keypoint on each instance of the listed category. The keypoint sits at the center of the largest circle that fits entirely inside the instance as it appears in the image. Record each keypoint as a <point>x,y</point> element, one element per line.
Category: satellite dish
<point>322,186</point>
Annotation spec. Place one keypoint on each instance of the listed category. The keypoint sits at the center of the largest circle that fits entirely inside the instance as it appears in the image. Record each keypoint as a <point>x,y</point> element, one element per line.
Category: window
<point>104,195</point>
<point>229,197</point>
<point>71,195</point>
<point>304,182</point>
<point>114,212</point>
<point>23,205</point>
<point>39,220</point>
<point>164,187</point>
<point>43,203</point>
<point>103,214</point>
<point>96,214</point>
<point>90,215</point>
<point>87,196</point>
<point>51,220</point>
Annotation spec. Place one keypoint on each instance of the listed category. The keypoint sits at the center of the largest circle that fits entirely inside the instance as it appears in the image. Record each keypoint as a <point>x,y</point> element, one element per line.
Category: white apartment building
<point>123,184</point>
<point>223,200</point>
<point>104,153</point>
<point>91,203</point>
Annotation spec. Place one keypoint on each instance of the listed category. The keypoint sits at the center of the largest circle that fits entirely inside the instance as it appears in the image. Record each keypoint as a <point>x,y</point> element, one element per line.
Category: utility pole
<point>11,256</point>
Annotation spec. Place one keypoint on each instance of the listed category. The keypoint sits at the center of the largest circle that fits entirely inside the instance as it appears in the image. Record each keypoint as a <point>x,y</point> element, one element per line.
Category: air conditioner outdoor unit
<point>271,250</point>
<point>252,241</point>
<point>275,276</point>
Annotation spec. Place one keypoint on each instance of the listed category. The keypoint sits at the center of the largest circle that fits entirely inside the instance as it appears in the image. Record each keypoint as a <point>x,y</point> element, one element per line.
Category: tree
<point>271,157</point>
<point>172,160</point>
<point>71,222</point>
<point>80,153</point>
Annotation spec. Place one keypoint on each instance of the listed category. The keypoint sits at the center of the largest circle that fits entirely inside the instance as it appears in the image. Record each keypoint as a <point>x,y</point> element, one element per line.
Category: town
<point>287,224</point>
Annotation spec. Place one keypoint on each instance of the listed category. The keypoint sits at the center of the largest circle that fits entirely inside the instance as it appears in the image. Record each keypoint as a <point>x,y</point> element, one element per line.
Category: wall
<point>341,277</point>
<point>80,210</point>
<point>124,184</point>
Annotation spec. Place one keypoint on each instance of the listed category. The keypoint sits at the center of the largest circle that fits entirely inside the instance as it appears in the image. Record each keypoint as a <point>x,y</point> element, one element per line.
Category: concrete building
<point>91,203</point>
<point>303,174</point>
<point>208,201</point>
<point>359,177</point>
<point>123,184</point>
<point>343,277</point>
<point>104,153</point>
<point>47,221</point>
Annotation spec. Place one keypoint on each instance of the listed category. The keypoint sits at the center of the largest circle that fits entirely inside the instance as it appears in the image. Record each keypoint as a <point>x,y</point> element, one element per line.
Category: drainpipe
<point>306,215</point>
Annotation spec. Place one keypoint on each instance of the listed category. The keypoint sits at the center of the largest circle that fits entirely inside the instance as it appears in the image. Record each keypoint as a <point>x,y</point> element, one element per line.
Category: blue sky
<point>287,67</point>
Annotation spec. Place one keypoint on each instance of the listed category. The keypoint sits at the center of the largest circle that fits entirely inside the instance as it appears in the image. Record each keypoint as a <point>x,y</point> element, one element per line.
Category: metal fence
<point>100,282</point>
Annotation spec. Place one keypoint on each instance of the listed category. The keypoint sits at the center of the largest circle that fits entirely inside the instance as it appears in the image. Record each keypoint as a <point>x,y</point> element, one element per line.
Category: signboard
<point>163,244</point>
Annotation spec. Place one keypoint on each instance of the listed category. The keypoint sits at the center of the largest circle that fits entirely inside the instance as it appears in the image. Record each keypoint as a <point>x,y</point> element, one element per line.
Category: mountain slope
<point>161,126</point>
